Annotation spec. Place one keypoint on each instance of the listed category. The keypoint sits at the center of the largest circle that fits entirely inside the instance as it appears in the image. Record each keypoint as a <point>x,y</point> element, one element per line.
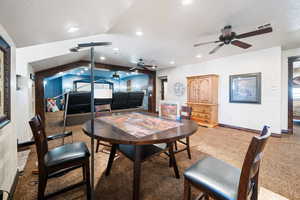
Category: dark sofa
<point>79,102</point>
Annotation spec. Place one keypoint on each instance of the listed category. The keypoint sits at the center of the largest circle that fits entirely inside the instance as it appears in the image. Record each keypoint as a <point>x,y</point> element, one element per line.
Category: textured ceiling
<point>170,29</point>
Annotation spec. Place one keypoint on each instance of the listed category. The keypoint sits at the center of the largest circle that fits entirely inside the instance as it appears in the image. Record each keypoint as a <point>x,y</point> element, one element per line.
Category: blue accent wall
<point>53,88</point>
<point>58,85</point>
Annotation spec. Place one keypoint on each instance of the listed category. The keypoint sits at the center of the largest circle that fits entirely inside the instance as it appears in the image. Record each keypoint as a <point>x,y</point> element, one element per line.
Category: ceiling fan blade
<point>216,48</point>
<point>132,68</point>
<point>254,33</point>
<point>205,43</point>
<point>241,44</point>
<point>151,67</point>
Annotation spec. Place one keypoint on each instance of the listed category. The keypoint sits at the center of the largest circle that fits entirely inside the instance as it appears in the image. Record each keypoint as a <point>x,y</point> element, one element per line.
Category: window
<point>296,93</point>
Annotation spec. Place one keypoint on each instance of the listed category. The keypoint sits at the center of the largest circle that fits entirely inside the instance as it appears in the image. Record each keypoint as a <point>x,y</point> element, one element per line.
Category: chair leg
<point>111,158</point>
<point>254,195</point>
<point>97,147</point>
<point>206,197</point>
<point>172,157</point>
<point>84,172</point>
<point>42,186</point>
<point>176,148</point>
<point>188,147</point>
<point>187,190</point>
<point>87,180</point>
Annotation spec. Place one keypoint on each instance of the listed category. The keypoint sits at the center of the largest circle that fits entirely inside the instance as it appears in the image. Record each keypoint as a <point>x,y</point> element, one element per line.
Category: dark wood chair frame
<point>186,143</point>
<point>45,172</point>
<point>248,184</point>
<point>100,109</point>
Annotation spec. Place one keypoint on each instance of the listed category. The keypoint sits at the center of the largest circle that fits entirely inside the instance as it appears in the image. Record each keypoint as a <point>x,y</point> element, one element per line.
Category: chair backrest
<point>248,185</point>
<point>186,112</point>
<point>40,138</point>
<point>102,108</point>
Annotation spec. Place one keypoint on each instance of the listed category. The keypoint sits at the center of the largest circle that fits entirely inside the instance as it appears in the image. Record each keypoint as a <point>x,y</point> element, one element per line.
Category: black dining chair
<point>222,181</point>
<point>99,109</point>
<point>185,113</point>
<point>58,161</point>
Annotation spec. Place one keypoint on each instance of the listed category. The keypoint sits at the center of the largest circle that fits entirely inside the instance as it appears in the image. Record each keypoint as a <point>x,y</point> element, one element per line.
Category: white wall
<point>254,116</point>
<point>24,56</point>
<point>8,140</point>
<point>25,109</point>
<point>284,98</point>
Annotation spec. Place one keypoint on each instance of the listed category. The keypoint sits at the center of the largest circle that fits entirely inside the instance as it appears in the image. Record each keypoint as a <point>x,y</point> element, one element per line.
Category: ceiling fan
<point>230,37</point>
<point>115,75</point>
<point>141,65</point>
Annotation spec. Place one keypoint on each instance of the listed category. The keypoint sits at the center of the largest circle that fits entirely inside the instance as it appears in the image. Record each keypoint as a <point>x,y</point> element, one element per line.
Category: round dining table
<point>114,135</point>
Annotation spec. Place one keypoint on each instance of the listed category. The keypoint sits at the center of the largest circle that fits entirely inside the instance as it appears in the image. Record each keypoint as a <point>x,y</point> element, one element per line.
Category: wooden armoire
<point>202,96</point>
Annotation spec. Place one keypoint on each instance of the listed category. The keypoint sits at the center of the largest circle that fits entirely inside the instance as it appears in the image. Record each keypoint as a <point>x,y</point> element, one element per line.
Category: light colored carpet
<point>22,159</point>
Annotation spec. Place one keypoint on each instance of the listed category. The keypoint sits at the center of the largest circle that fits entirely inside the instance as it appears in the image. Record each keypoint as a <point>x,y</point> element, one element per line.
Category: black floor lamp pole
<point>92,120</point>
<point>91,45</point>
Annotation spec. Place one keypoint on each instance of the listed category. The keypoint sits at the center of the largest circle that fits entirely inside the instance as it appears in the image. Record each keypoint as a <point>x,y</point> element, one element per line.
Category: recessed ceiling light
<point>73,29</point>
<point>139,33</point>
<point>199,56</point>
<point>172,62</point>
<point>116,49</point>
<point>186,2</point>
<point>102,58</point>
<point>78,74</point>
<point>86,69</point>
<point>60,73</point>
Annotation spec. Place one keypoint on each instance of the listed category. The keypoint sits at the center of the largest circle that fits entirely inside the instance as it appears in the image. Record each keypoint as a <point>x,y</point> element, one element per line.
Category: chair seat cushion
<point>66,153</point>
<point>216,176</point>
<point>146,150</point>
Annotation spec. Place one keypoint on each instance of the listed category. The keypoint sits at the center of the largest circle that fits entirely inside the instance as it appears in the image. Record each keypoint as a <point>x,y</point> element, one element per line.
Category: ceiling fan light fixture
<point>139,33</point>
<point>186,2</point>
<point>73,29</point>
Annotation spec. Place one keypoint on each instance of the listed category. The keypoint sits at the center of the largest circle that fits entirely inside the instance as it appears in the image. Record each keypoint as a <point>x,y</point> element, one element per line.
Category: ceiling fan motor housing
<point>227,38</point>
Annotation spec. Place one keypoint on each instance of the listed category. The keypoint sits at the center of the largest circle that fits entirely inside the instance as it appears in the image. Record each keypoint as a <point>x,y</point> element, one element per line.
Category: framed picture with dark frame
<point>245,88</point>
<point>5,65</point>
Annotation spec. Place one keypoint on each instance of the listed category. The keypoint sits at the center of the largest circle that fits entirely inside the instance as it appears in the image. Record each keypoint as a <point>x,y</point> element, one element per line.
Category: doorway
<point>164,88</point>
<point>294,95</point>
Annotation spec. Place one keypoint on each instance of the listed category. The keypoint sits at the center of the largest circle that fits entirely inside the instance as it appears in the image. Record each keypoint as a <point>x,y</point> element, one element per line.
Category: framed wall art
<point>245,88</point>
<point>5,66</point>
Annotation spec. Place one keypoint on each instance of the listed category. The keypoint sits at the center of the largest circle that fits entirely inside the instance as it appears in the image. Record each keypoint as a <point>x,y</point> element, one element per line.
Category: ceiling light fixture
<point>73,29</point>
<point>172,62</point>
<point>81,71</point>
<point>78,74</point>
<point>154,67</point>
<point>116,49</point>
<point>139,33</point>
<point>102,58</point>
<point>186,2</point>
<point>199,56</point>
<point>60,73</point>
<point>86,69</point>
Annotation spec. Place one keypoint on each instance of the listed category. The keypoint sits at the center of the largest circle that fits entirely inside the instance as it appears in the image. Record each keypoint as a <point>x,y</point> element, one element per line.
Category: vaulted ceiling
<point>169,28</point>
